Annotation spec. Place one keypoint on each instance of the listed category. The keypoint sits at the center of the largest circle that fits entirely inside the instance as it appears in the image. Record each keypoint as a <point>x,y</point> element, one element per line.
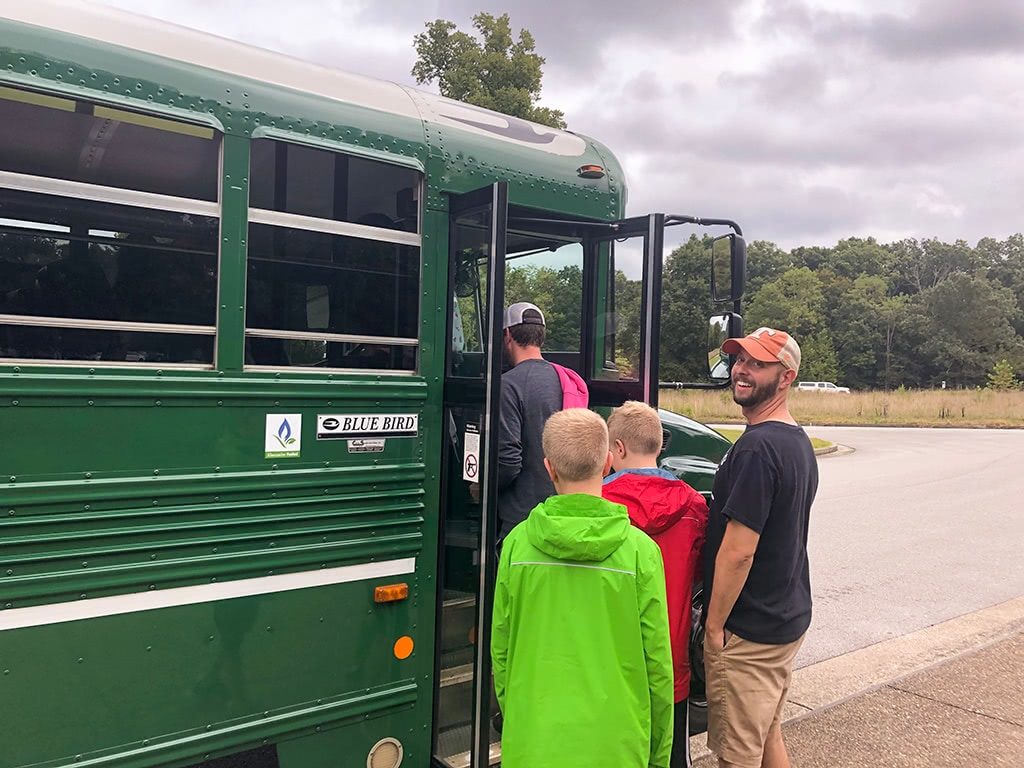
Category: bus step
<point>452,743</point>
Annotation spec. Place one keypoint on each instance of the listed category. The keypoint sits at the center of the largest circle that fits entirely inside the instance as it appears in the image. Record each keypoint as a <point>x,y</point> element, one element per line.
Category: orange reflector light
<point>389,593</point>
<point>403,647</point>
<point>590,172</point>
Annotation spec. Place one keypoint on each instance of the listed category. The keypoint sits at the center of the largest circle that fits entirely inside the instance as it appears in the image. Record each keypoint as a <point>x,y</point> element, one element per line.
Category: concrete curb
<point>835,681</point>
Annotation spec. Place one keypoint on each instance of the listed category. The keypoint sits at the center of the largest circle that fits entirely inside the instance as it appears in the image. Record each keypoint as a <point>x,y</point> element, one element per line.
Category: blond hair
<point>638,426</point>
<point>576,444</point>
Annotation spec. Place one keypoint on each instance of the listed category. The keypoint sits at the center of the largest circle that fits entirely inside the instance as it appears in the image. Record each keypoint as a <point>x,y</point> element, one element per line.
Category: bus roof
<point>247,90</point>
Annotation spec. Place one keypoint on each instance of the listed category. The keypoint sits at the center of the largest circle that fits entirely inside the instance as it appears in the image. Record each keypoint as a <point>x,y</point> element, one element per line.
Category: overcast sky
<point>804,121</point>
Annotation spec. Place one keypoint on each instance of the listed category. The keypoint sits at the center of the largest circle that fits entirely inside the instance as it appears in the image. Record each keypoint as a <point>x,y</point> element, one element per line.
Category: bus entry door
<point>464,735</point>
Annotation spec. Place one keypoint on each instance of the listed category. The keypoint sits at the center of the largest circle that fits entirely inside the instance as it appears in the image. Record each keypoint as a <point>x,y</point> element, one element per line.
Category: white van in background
<point>821,386</point>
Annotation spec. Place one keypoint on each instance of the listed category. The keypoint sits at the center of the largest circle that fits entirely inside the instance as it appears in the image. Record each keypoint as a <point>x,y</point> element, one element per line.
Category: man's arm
<point>732,566</point>
<point>657,655</point>
<point>510,435</point>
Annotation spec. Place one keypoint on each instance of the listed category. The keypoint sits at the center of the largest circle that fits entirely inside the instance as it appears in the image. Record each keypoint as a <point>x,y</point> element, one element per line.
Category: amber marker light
<point>590,172</point>
<point>403,647</point>
<point>390,593</point>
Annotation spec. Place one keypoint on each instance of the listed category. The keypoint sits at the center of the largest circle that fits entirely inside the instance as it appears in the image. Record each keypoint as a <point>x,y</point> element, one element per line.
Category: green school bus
<point>250,321</point>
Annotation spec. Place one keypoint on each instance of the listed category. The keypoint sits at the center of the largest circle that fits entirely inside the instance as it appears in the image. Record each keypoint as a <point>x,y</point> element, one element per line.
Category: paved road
<point>915,527</point>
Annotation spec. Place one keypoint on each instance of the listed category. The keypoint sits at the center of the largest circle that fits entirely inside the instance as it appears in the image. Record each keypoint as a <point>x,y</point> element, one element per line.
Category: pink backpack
<point>574,388</point>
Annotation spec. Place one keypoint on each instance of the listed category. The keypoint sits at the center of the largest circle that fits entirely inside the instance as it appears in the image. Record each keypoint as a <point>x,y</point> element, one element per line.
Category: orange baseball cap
<point>767,345</point>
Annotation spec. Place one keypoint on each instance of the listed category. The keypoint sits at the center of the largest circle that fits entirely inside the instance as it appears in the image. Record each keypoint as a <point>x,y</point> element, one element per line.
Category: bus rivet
<point>92,402</point>
<point>14,402</point>
<point>88,475</point>
<point>156,471</point>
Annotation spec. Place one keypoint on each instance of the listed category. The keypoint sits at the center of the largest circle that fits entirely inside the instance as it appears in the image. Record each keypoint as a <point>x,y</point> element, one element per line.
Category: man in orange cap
<point>756,577</point>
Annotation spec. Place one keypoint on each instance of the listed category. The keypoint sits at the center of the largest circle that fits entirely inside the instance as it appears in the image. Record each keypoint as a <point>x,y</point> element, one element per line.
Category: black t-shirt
<point>767,482</point>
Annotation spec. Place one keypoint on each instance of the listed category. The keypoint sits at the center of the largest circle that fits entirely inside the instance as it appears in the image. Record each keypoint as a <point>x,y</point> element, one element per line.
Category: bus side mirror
<point>728,267</point>
<point>727,325</point>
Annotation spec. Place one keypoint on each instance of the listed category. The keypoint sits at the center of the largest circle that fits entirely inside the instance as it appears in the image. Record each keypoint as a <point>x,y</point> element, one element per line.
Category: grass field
<point>905,408</point>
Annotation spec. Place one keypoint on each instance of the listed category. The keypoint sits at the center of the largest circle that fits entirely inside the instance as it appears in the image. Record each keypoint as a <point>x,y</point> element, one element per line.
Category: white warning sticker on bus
<point>283,436</point>
<point>344,426</point>
<point>471,454</point>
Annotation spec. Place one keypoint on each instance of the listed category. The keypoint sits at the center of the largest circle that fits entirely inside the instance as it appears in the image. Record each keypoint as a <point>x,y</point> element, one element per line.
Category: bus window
<point>619,333</point>
<point>60,138</point>
<point>108,234</point>
<point>550,275</point>
<point>291,178</point>
<point>334,261</point>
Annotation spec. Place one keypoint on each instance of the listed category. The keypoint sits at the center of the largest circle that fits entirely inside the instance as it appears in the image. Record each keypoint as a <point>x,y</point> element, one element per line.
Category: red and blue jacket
<point>676,517</point>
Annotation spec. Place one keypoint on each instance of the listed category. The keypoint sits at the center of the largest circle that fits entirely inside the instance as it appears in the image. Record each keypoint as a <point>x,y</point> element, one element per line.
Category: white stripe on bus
<point>136,602</point>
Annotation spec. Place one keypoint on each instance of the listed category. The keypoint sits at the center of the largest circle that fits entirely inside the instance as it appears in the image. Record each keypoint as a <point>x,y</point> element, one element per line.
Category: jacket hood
<point>654,503</point>
<point>577,526</point>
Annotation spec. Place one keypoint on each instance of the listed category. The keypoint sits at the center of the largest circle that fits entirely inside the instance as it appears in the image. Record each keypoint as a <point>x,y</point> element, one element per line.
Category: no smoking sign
<point>471,454</point>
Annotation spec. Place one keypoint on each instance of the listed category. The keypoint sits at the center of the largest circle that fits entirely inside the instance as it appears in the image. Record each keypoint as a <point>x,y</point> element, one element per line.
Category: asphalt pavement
<point>962,712</point>
<point>916,652</point>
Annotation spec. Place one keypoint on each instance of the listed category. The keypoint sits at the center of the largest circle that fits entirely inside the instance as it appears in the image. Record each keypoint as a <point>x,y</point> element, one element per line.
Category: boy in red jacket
<point>675,516</point>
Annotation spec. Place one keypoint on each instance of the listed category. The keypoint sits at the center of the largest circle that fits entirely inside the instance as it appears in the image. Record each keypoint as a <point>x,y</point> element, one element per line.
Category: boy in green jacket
<point>580,644</point>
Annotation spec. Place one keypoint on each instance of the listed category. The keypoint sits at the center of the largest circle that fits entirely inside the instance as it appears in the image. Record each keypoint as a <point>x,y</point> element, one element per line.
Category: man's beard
<point>758,394</point>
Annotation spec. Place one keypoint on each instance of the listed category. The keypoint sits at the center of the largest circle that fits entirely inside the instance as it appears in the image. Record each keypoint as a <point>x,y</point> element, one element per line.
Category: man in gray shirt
<point>530,392</point>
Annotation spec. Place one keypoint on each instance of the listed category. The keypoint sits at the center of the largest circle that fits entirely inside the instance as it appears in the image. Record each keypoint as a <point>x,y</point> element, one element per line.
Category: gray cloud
<point>577,34</point>
<point>804,125</point>
<point>935,29</point>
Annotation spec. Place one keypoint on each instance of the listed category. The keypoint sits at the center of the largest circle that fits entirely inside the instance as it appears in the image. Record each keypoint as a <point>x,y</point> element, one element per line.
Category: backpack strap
<point>574,389</point>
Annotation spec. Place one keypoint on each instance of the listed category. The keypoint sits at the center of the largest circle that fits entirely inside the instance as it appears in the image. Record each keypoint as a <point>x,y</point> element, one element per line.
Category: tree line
<point>913,313</point>
<point>868,315</point>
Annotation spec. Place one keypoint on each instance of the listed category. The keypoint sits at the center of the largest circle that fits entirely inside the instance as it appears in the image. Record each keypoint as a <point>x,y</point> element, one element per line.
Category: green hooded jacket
<point>580,642</point>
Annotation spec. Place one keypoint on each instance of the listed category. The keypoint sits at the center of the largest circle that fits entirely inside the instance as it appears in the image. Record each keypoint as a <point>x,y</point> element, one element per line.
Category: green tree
<point>858,328</point>
<point>857,256</point>
<point>793,303</point>
<point>765,262</point>
<point>969,327</point>
<point>685,308</point>
<point>495,71</point>
<point>1004,260</point>
<point>558,293</point>
<point>917,266</point>
<point>818,359</point>
<point>1002,376</point>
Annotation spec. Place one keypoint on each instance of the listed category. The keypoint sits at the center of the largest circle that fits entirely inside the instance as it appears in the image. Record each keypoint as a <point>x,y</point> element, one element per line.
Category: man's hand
<point>715,638</point>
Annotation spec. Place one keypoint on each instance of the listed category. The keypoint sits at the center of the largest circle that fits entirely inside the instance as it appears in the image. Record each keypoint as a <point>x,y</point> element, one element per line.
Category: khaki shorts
<point>747,684</point>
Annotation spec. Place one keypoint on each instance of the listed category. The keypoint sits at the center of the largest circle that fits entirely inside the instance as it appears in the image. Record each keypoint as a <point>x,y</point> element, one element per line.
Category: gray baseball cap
<point>523,313</point>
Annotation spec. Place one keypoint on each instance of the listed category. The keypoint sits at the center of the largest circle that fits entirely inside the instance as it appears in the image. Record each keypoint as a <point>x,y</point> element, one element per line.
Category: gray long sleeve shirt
<point>530,393</point>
